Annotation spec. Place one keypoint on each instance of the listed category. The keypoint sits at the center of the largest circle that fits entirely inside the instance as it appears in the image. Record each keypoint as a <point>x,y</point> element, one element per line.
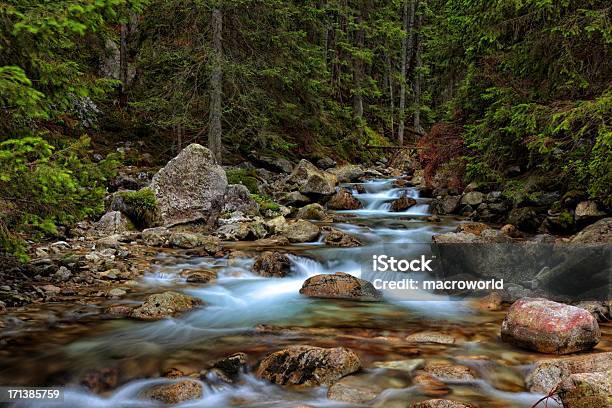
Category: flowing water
<point>255,315</point>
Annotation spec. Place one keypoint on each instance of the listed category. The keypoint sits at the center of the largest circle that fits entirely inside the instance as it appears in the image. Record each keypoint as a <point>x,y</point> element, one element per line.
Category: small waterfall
<point>376,197</point>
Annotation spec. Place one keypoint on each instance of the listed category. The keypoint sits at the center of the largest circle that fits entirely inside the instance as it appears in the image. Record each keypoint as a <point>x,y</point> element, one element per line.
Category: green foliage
<point>244,177</point>
<point>529,82</point>
<point>140,206</point>
<point>42,187</point>
<point>265,202</point>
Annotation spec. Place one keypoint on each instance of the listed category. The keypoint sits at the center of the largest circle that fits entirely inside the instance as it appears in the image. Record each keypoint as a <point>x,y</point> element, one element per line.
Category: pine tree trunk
<point>214,132</point>
<point>417,80</point>
<point>358,81</point>
<point>408,20</point>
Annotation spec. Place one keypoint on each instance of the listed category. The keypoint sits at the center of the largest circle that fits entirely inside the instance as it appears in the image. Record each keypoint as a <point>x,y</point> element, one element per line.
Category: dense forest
<point>485,88</point>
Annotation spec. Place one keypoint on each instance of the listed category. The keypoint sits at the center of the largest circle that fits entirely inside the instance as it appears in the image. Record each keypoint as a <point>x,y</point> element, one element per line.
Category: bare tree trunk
<point>417,80</point>
<point>214,132</point>
<point>408,17</point>
<point>123,64</point>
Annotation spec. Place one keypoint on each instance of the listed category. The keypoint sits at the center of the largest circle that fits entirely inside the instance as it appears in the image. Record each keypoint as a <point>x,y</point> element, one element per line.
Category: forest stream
<point>255,315</point>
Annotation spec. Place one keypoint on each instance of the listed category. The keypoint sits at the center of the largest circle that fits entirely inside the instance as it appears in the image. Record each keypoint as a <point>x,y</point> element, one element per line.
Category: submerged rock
<point>272,264</point>
<point>354,389</point>
<point>440,403</point>
<point>549,327</point>
<point>310,180</point>
<point>449,371</point>
<point>548,373</point>
<point>402,204</point>
<point>430,385</point>
<point>340,286</point>
<point>199,275</point>
<point>308,366</point>
<point>191,187</point>
<point>344,200</point>
<point>430,337</point>
<point>162,305</point>
<point>176,392</point>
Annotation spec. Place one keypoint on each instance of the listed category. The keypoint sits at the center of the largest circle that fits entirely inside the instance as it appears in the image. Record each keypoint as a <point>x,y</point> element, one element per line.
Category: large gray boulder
<point>191,187</point>
<point>599,232</point>
<point>308,179</point>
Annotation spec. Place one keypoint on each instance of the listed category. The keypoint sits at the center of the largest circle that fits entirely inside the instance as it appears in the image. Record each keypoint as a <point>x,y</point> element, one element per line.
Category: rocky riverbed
<point>213,298</point>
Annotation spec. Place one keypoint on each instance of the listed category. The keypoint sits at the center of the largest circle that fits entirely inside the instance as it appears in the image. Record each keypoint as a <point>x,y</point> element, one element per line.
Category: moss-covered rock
<point>139,206</point>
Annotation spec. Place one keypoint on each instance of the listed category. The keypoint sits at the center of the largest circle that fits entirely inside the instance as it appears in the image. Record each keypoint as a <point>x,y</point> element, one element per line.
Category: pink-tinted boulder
<point>549,327</point>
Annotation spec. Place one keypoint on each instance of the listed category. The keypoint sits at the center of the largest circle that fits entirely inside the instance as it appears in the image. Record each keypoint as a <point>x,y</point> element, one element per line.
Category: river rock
<point>162,305</point>
<point>548,373</point>
<point>445,205</point>
<point>525,218</point>
<point>313,211</point>
<point>340,286</point>
<point>188,240</point>
<point>430,386</point>
<point>243,231</point>
<point>473,198</point>
<point>326,163</point>
<point>276,224</point>
<point>113,222</point>
<point>599,232</point>
<point>549,327</point>
<point>272,264</point>
<point>588,210</point>
<point>449,371</point>
<point>101,380</point>
<point>430,337</point>
<point>229,368</point>
<point>354,389</point>
<point>337,238</point>
<point>293,198</point>
<point>348,173</point>
<point>456,238</point>
<point>310,180</point>
<point>475,228</point>
<point>238,198</point>
<point>511,231</point>
<point>440,403</point>
<point>157,236</point>
<point>301,231</point>
<point>599,310</point>
<point>176,392</point>
<point>586,390</point>
<point>402,204</point>
<point>191,187</point>
<point>199,275</point>
<point>343,200</point>
<point>308,366</point>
